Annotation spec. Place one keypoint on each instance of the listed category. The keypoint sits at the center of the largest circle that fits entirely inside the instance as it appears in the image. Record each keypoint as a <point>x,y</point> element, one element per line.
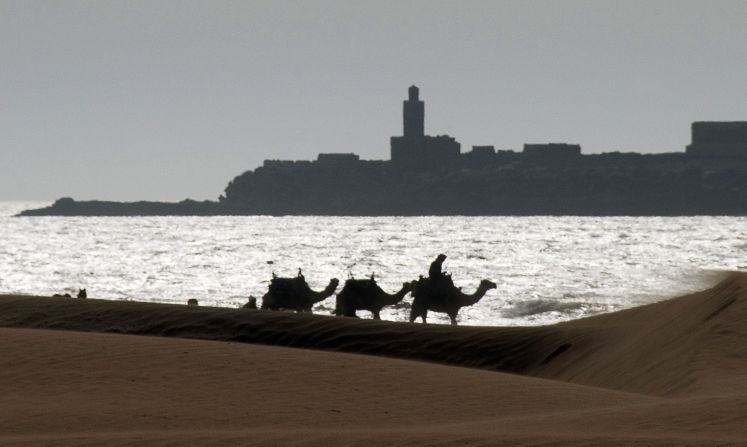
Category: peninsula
<point>430,175</point>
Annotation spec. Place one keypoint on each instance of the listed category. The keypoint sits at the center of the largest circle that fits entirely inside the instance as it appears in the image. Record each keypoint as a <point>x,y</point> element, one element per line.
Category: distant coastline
<point>67,206</point>
<point>429,175</point>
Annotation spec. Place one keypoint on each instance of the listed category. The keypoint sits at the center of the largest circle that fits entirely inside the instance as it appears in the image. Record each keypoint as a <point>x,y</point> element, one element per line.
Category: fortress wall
<point>554,150</point>
<point>705,133</point>
<point>719,139</point>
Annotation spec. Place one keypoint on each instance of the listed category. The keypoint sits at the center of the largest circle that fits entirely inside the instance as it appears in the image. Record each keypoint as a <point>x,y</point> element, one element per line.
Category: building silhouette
<point>414,149</point>
<point>718,139</point>
<point>554,151</point>
<point>413,114</point>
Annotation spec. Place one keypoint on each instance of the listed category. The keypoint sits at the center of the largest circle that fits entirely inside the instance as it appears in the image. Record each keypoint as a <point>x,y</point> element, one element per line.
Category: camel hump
<point>440,289</point>
<point>288,286</point>
<point>360,284</point>
<point>443,280</point>
<point>282,285</point>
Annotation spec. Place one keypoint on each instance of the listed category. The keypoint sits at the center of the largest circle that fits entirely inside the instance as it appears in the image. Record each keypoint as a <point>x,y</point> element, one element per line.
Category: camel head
<point>487,284</point>
<point>316,297</point>
<point>330,289</point>
<point>482,289</point>
<point>398,296</point>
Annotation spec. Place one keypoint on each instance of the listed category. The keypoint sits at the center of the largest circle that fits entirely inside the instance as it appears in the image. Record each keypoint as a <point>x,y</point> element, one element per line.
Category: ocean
<point>548,269</point>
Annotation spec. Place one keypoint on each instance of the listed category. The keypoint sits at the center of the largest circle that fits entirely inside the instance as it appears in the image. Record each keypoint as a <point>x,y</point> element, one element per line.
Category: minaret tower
<point>416,150</point>
<point>413,111</point>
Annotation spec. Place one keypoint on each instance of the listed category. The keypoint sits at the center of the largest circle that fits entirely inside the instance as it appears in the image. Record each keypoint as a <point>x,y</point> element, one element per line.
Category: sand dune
<point>671,373</point>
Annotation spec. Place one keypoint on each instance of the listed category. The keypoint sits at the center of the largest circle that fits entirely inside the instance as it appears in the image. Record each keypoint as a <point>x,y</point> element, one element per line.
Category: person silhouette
<point>252,304</point>
<point>434,272</point>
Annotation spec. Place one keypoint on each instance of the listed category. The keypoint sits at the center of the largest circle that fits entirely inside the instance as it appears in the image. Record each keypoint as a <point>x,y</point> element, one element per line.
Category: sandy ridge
<point>671,373</point>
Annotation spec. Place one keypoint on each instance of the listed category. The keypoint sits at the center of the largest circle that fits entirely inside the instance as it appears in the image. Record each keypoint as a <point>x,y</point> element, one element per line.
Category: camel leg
<point>414,316</point>
<point>453,319</point>
<point>376,315</point>
<point>416,312</point>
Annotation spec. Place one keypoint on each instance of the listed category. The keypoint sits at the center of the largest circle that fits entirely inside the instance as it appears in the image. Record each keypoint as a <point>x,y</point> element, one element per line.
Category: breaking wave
<point>536,307</point>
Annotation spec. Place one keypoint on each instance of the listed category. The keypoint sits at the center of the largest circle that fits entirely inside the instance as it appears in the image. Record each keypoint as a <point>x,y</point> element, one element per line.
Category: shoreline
<point>67,207</point>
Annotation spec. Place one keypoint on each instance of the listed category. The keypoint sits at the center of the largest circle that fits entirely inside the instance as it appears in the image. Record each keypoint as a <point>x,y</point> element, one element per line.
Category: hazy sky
<point>171,99</point>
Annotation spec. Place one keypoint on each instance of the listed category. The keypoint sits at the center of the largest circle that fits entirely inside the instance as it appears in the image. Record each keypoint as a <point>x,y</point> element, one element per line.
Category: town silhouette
<point>430,175</point>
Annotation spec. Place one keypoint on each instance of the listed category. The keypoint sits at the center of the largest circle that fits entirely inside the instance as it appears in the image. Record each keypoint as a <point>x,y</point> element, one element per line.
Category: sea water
<point>548,269</point>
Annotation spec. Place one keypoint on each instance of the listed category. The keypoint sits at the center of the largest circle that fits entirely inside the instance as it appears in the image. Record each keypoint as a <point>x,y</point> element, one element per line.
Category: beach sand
<point>97,372</point>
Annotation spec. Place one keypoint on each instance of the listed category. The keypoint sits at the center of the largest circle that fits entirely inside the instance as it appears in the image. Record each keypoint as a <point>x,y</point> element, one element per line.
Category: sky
<point>166,100</point>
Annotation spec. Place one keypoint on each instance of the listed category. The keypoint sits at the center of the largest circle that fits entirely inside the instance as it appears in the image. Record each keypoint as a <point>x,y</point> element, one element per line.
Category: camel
<point>295,294</point>
<point>365,294</point>
<point>440,295</point>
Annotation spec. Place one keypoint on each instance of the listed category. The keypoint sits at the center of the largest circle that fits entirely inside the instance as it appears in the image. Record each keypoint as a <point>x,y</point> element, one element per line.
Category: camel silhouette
<point>295,294</point>
<point>192,302</point>
<point>82,293</point>
<point>440,295</point>
<point>365,294</point>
